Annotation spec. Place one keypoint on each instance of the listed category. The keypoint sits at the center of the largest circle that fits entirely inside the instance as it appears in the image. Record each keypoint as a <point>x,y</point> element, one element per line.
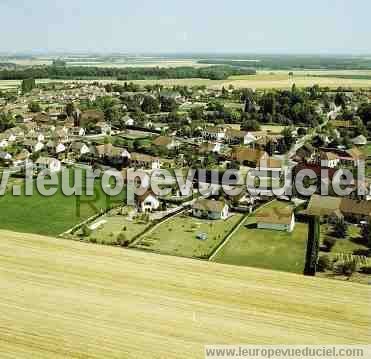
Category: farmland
<point>179,236</point>
<point>68,299</point>
<point>268,249</point>
<point>47,215</point>
<point>263,80</point>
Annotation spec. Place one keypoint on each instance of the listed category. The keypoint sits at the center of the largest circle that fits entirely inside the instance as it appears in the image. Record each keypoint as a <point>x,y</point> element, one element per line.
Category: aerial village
<point>62,126</point>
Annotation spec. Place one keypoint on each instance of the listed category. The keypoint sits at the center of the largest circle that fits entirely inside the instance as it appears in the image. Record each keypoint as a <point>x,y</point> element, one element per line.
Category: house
<point>21,159</point>
<point>235,137</point>
<point>48,163</point>
<point>139,160</point>
<point>128,121</point>
<point>210,209</point>
<point>339,207</point>
<point>269,165</point>
<point>359,140</point>
<point>3,141</point>
<point>355,157</point>
<point>5,156</point>
<point>110,151</point>
<point>147,202</point>
<point>33,146</point>
<point>210,147</point>
<point>276,218</point>
<point>248,156</point>
<point>164,141</point>
<point>329,159</point>
<point>79,148</point>
<point>104,128</point>
<point>213,133</point>
<point>305,153</point>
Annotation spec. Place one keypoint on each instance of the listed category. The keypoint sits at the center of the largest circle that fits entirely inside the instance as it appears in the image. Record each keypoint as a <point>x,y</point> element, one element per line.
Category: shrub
<point>366,269</point>
<point>340,228</point>
<point>122,240</point>
<point>346,267</point>
<point>329,243</point>
<point>85,231</point>
<point>324,263</point>
<point>92,240</point>
<point>125,229</point>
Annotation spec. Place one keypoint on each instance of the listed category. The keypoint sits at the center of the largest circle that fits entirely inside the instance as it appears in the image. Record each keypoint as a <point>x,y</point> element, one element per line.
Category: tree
<point>28,85</point>
<point>6,121</point>
<point>168,104</point>
<point>250,125</point>
<point>122,240</point>
<point>340,99</point>
<point>197,113</point>
<point>324,263</point>
<point>34,107</point>
<point>340,228</point>
<point>70,108</point>
<point>329,243</point>
<point>366,234</point>
<point>150,105</point>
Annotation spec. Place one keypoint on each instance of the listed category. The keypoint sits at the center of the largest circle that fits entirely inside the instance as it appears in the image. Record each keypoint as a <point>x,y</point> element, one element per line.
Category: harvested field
<point>64,299</point>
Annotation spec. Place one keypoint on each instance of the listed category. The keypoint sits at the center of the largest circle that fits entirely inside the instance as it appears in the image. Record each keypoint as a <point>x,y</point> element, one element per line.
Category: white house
<point>210,147</point>
<point>38,147</point>
<point>279,219</point>
<point>210,209</point>
<point>128,121</point>
<point>5,156</point>
<point>329,159</point>
<point>148,202</point>
<point>213,133</point>
<point>60,148</point>
<point>80,148</point>
<point>48,163</point>
<point>3,143</point>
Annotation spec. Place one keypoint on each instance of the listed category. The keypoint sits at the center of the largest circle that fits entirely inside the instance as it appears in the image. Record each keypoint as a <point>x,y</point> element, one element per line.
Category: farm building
<point>279,219</point>
<point>210,209</point>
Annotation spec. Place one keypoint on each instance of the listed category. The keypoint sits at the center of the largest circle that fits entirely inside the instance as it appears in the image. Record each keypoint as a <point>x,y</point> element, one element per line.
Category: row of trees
<point>129,73</point>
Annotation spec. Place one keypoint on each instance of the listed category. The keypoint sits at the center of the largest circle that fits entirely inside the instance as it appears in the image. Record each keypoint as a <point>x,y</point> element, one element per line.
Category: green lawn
<point>179,236</point>
<point>48,215</point>
<point>107,233</point>
<point>268,249</point>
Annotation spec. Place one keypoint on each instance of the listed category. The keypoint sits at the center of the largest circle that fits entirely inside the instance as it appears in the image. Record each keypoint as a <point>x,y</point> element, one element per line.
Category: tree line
<point>135,73</point>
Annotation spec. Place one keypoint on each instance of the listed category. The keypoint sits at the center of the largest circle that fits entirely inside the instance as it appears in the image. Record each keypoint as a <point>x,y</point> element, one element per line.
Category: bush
<point>340,228</point>
<point>122,240</point>
<point>366,269</point>
<point>346,267</point>
<point>85,231</point>
<point>329,243</point>
<point>324,263</point>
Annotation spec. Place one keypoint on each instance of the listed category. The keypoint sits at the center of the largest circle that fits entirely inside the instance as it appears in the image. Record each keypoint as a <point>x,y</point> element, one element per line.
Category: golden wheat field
<point>64,299</point>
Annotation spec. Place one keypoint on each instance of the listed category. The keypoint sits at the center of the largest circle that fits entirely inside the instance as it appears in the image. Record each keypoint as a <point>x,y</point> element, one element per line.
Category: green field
<point>107,233</point>
<point>262,80</point>
<point>178,236</point>
<point>48,215</point>
<point>268,249</point>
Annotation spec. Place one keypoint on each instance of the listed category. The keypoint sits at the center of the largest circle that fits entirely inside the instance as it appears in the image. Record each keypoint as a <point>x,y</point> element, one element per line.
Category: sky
<point>182,26</point>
